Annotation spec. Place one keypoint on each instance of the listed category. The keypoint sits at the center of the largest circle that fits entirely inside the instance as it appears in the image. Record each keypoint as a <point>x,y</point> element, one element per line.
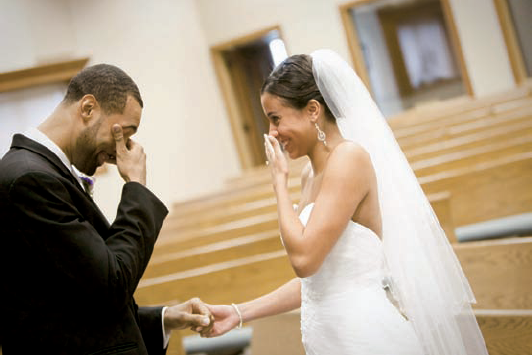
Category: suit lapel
<point>96,217</point>
<point>22,142</point>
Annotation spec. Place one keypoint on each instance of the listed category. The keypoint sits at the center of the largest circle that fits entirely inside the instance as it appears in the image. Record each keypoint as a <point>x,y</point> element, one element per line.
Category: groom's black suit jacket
<point>67,276</point>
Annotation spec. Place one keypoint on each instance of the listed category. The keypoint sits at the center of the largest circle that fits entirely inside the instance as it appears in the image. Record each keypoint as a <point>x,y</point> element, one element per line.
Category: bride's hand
<point>225,319</point>
<point>276,160</point>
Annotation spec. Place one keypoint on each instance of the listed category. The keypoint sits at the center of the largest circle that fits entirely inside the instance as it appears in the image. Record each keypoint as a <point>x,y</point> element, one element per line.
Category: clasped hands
<point>207,320</point>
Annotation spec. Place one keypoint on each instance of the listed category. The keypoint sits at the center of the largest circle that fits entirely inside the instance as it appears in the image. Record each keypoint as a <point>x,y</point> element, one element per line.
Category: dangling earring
<point>321,134</point>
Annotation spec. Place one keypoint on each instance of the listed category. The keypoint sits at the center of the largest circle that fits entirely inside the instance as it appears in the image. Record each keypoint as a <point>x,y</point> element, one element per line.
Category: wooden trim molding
<point>44,74</point>
<point>510,38</point>
<point>353,42</point>
<point>235,108</point>
<point>245,39</point>
<point>457,45</point>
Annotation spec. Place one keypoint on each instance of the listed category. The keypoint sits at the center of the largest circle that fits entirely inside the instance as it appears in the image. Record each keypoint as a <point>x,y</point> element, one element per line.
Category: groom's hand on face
<point>192,314</point>
<point>130,157</point>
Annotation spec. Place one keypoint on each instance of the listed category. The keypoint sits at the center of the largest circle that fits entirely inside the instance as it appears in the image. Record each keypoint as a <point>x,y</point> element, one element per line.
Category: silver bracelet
<point>239,315</point>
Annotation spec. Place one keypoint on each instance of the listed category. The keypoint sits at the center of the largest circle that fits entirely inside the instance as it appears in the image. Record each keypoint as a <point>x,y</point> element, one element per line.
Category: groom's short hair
<point>109,84</point>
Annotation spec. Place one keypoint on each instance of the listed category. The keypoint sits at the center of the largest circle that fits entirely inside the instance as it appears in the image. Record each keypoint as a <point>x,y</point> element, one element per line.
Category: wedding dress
<point>344,307</point>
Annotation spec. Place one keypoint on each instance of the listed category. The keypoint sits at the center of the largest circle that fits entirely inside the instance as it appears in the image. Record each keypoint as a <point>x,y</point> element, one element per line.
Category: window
<point>404,52</point>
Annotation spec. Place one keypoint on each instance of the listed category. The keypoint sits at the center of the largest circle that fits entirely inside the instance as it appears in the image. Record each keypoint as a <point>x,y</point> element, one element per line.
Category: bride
<point>376,274</point>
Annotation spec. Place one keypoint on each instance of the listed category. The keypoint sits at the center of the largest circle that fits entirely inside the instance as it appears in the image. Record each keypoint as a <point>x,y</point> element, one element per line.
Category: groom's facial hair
<point>86,148</point>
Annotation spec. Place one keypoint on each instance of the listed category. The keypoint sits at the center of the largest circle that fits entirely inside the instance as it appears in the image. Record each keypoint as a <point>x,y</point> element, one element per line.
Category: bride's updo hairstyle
<point>294,83</point>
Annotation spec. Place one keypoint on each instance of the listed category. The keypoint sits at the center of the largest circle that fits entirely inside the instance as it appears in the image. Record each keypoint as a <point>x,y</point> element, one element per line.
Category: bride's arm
<point>284,299</point>
<point>345,183</point>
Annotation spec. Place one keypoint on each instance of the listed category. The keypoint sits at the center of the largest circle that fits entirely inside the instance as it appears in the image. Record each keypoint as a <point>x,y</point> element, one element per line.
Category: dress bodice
<point>344,308</point>
<point>357,256</point>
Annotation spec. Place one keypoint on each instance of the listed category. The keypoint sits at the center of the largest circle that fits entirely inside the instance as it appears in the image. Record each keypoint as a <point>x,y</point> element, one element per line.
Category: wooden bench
<point>506,181</point>
<point>506,331</point>
<point>253,230</point>
<point>475,119</point>
<point>519,143</point>
<point>442,111</point>
<point>486,190</point>
<point>196,254</point>
<point>468,129</point>
<point>498,271</point>
<point>485,138</point>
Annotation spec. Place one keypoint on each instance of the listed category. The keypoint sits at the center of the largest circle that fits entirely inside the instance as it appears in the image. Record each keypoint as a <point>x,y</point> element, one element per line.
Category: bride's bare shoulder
<point>349,161</point>
<point>350,152</point>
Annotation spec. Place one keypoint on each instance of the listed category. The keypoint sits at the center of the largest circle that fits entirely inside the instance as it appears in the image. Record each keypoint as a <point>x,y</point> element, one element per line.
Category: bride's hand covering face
<point>276,161</point>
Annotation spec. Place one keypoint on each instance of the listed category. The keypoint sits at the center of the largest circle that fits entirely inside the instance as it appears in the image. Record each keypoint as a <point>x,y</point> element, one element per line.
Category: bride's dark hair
<point>294,83</point>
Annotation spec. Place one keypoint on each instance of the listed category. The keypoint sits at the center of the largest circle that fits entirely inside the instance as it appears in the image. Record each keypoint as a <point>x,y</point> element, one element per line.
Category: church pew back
<point>486,190</point>
<point>498,272</point>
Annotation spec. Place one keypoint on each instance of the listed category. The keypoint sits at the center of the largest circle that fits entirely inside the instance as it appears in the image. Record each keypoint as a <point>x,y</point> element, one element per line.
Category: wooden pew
<point>485,138</point>
<point>506,331</point>
<point>213,217</point>
<point>261,229</point>
<point>471,129</point>
<point>474,119</point>
<point>506,181</point>
<point>441,111</point>
<point>164,262</point>
<point>520,143</point>
<point>236,281</point>
<point>498,272</point>
<point>486,190</point>
<point>183,256</point>
<point>220,232</point>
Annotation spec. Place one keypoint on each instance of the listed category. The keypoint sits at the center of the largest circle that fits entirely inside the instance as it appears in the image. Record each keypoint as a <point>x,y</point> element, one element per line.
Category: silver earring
<point>321,134</point>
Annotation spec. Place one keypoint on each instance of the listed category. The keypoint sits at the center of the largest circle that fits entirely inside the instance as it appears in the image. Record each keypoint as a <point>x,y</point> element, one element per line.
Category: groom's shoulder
<point>19,162</point>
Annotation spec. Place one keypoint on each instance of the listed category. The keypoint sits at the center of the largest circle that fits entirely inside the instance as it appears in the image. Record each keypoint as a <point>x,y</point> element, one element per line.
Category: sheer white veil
<point>426,276</point>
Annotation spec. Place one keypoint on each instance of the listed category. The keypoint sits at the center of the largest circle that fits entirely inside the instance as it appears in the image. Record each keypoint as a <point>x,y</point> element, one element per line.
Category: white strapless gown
<point>344,308</point>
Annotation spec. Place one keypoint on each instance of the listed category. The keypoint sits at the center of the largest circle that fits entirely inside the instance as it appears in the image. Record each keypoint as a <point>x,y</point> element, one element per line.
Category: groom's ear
<point>313,109</point>
<point>88,107</point>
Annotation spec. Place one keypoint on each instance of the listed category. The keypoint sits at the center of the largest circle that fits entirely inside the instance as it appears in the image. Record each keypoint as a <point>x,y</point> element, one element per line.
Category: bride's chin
<point>293,155</point>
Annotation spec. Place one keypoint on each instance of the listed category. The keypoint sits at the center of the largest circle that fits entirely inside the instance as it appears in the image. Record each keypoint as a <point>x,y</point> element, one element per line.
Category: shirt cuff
<point>166,337</point>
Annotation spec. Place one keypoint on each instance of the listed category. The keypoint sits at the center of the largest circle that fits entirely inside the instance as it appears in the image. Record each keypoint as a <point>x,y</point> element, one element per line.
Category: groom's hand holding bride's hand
<point>225,319</point>
<point>192,314</point>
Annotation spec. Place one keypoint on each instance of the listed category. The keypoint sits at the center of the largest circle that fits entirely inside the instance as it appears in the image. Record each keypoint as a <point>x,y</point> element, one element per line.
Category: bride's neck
<point>320,152</point>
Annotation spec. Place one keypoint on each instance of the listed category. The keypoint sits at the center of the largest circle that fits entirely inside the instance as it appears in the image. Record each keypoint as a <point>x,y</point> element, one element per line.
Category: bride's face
<point>291,127</point>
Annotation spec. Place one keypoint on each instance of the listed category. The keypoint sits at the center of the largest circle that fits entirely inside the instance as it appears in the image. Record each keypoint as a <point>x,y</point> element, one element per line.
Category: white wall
<point>483,46</point>
<point>305,24</point>
<point>310,24</point>
<point>23,109</point>
<point>34,32</point>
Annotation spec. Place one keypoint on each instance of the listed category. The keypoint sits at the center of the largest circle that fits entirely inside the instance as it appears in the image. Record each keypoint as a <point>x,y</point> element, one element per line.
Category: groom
<point>67,276</point>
